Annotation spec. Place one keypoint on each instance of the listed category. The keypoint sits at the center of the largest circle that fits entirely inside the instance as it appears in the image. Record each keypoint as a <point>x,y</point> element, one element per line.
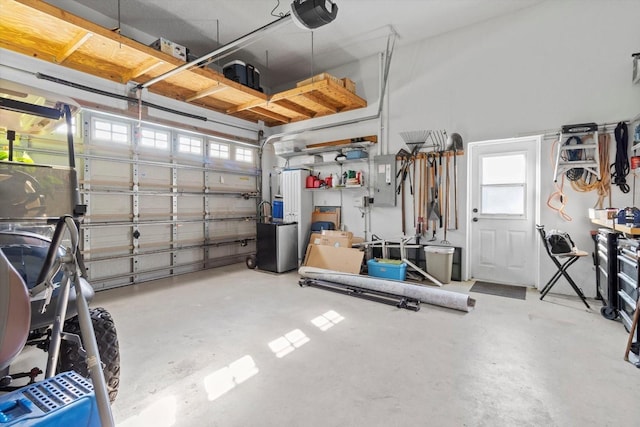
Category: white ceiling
<point>360,29</point>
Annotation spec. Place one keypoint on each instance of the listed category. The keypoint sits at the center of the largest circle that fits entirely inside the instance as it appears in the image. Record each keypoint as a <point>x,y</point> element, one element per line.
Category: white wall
<point>558,62</point>
<point>555,63</point>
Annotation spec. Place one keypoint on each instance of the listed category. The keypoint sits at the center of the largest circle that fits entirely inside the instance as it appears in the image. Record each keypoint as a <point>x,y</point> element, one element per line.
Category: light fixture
<point>312,14</point>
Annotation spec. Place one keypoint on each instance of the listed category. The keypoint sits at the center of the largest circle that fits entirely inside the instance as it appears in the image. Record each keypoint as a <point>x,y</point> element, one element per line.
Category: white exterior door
<point>503,178</point>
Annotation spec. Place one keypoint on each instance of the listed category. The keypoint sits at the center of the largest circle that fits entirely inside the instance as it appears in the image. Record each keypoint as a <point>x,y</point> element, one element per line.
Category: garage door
<point>160,201</point>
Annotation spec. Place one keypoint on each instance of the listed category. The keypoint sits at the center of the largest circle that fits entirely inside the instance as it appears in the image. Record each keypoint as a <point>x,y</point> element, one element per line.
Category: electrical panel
<point>384,179</point>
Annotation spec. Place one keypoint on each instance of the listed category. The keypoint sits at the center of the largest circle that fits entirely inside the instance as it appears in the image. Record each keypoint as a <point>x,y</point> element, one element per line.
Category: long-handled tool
<point>446,201</point>
<point>632,332</point>
<point>401,177</point>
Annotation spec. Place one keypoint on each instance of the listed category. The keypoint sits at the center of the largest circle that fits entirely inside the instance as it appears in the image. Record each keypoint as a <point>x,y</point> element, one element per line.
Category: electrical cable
<point>621,164</point>
<point>558,194</point>
<point>277,15</point>
<point>603,185</point>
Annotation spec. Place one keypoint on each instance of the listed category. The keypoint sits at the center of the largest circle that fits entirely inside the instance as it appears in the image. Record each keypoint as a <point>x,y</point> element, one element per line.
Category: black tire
<point>105,330</point>
<point>251,261</point>
<point>609,313</point>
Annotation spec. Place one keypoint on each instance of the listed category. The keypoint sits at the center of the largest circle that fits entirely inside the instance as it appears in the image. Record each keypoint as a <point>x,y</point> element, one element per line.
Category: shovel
<point>433,213</point>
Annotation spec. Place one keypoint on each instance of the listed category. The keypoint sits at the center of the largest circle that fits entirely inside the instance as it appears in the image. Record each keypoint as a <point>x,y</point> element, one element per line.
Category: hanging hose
<point>621,165</point>
<point>602,186</point>
<point>559,193</point>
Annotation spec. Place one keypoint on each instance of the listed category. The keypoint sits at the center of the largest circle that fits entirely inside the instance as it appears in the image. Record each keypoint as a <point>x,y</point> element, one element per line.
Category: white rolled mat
<point>443,298</point>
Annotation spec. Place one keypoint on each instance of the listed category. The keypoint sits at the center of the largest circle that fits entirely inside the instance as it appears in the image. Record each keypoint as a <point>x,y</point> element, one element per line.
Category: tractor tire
<point>71,359</point>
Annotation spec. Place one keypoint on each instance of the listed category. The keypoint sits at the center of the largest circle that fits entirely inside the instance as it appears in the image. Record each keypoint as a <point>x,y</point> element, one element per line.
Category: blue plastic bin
<point>278,210</point>
<point>387,271</point>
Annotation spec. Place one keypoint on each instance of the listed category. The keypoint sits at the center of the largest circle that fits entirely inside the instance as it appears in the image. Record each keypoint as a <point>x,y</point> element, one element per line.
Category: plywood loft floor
<point>235,347</point>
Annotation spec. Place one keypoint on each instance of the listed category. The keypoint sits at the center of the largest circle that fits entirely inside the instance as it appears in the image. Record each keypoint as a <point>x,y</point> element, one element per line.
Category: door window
<point>503,189</point>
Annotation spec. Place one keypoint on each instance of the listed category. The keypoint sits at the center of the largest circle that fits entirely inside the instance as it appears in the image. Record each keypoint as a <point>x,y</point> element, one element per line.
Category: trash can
<point>439,262</point>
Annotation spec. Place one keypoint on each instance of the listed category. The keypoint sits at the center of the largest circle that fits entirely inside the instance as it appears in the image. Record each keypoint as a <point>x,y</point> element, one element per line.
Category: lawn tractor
<point>44,293</point>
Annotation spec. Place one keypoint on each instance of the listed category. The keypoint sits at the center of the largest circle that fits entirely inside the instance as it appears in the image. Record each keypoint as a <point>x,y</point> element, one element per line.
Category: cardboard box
<point>346,260</point>
<point>357,240</point>
<point>331,215</point>
<point>173,49</point>
<point>337,233</point>
<point>342,241</point>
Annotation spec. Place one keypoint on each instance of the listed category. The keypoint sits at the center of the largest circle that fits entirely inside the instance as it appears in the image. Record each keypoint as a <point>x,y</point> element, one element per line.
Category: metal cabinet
<point>629,277</point>
<point>607,271</point>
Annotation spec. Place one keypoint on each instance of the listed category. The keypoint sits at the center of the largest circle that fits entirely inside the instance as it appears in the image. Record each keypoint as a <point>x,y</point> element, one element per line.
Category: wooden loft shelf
<point>37,29</point>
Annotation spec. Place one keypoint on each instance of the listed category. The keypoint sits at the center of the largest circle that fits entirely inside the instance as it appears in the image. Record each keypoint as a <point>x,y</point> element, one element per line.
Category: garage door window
<point>154,139</point>
<point>110,131</point>
<point>219,150</point>
<point>189,144</point>
<point>244,155</point>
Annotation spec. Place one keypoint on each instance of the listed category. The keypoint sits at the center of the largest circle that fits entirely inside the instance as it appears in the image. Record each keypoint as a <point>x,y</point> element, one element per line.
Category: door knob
<point>475,219</point>
<point>475,210</point>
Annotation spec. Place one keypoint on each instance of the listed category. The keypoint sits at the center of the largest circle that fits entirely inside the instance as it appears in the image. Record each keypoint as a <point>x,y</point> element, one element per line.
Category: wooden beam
<point>206,92</point>
<point>321,102</point>
<point>281,95</point>
<point>146,66</point>
<point>295,108</point>
<point>72,46</point>
<point>270,114</point>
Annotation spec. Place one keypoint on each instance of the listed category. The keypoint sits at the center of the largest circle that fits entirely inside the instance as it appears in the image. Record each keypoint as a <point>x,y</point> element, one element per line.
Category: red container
<point>310,180</point>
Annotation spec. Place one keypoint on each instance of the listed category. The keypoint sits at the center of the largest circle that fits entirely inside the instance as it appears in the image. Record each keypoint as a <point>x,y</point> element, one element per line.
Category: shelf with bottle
<point>344,180</point>
<point>334,162</point>
<point>337,188</point>
<point>292,148</point>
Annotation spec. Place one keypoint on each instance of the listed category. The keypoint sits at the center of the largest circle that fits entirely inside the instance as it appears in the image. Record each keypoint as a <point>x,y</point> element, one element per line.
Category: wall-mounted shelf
<point>354,187</point>
<point>336,163</point>
<point>40,30</point>
<point>610,224</point>
<point>362,142</point>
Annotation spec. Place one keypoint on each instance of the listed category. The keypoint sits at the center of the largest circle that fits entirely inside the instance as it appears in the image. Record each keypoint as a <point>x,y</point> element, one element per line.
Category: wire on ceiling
<point>279,14</point>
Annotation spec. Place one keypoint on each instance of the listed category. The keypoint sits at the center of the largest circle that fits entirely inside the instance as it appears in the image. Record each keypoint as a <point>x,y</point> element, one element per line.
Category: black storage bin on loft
<point>243,73</point>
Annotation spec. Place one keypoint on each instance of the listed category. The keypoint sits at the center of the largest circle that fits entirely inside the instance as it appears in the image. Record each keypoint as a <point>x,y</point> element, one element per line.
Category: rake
<point>415,138</point>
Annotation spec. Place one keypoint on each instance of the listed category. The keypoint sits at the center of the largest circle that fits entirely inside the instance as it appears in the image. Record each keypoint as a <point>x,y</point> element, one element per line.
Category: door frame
<point>471,148</point>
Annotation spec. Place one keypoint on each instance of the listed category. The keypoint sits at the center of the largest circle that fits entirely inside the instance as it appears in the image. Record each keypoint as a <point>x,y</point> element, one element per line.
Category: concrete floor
<point>235,347</point>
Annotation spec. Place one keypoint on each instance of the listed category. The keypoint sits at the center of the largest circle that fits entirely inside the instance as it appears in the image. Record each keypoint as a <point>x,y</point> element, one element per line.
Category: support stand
<point>368,294</point>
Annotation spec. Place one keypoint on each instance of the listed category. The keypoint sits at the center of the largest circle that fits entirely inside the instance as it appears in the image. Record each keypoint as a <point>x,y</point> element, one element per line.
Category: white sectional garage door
<point>160,201</point>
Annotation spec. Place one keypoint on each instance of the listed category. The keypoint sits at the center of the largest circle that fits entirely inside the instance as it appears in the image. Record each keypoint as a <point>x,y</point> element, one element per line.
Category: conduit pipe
<point>391,41</point>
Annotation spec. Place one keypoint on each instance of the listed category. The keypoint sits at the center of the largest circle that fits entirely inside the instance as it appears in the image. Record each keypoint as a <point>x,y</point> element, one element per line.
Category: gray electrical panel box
<point>384,172</point>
